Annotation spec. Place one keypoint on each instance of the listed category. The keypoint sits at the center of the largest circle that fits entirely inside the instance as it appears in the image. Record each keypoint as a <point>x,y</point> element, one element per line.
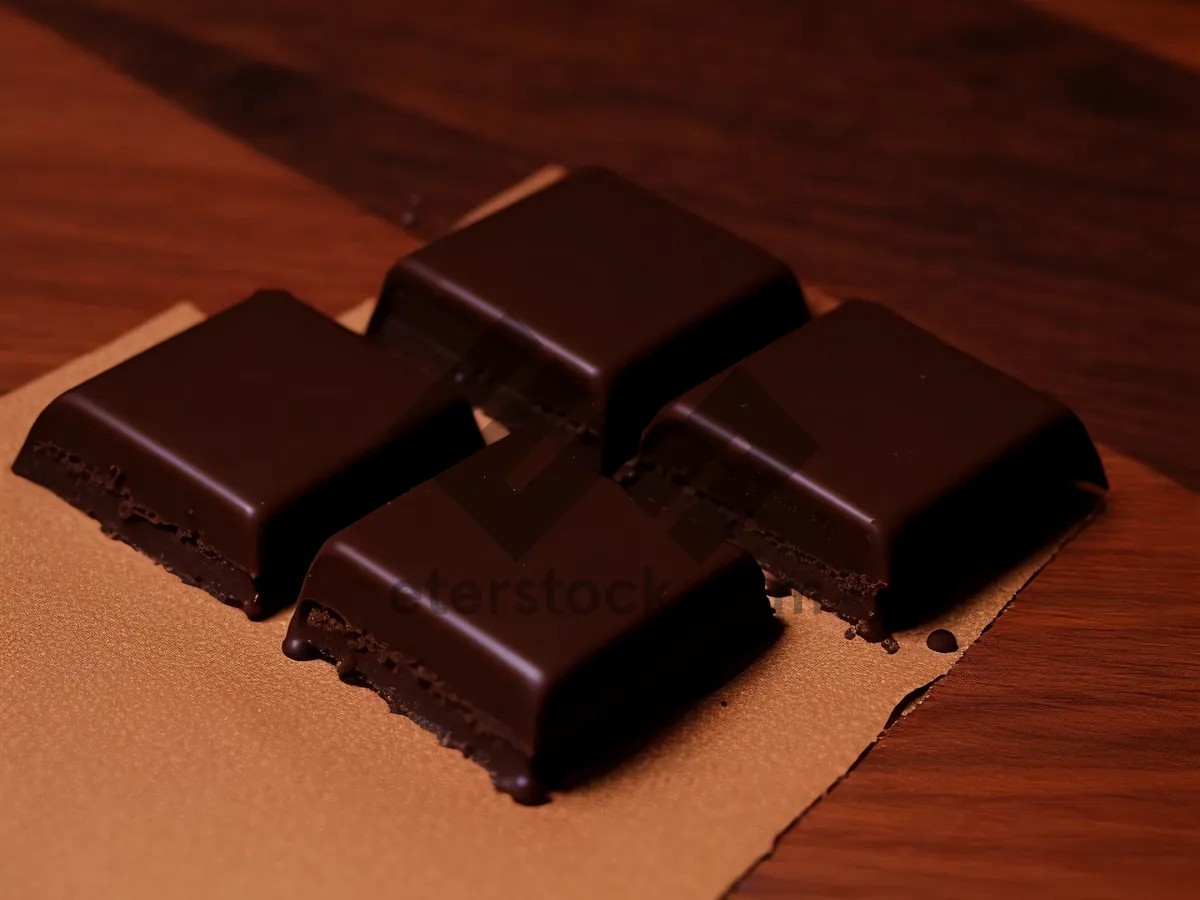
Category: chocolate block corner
<point>872,466</point>
<point>229,452</point>
<point>586,306</point>
<point>541,667</point>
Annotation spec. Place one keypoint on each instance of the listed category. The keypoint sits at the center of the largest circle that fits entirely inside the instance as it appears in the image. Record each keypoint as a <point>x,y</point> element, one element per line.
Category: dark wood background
<point>1022,179</point>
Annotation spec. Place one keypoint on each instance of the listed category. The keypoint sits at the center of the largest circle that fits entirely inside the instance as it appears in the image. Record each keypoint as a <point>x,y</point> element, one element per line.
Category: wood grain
<point>1024,187</point>
<point>1058,758</point>
<point>115,205</point>
<point>1167,28</point>
<point>400,166</point>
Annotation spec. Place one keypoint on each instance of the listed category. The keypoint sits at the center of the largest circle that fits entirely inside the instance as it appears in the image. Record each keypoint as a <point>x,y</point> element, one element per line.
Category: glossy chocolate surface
<point>231,451</point>
<point>527,663</point>
<point>589,304</point>
<point>860,454</point>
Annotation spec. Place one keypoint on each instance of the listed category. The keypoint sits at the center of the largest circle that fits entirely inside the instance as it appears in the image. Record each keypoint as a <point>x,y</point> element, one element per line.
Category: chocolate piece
<point>537,665</point>
<point>587,305</point>
<point>229,452</point>
<point>941,641</point>
<point>876,468</point>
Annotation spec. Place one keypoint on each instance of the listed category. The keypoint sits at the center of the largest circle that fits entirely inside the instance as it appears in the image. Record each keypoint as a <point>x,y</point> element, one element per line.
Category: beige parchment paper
<point>156,744</point>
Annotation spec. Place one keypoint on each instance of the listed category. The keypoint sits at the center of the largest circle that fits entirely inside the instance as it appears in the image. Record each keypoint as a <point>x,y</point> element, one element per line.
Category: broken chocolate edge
<point>100,496</point>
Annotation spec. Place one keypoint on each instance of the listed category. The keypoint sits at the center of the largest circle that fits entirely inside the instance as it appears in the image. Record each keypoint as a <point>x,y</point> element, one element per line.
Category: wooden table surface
<point>1022,179</point>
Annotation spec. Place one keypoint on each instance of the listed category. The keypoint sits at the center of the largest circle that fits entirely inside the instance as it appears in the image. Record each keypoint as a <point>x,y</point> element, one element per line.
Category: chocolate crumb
<point>724,702</point>
<point>851,632</point>
<point>411,215</point>
<point>891,645</point>
<point>941,641</point>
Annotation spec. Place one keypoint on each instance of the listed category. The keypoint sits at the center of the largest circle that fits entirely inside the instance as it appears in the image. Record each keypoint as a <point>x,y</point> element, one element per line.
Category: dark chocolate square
<point>229,452</point>
<point>589,305</point>
<point>868,463</point>
<point>531,660</point>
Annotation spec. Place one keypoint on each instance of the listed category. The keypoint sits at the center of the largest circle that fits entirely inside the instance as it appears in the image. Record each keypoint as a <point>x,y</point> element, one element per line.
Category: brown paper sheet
<point>154,743</point>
